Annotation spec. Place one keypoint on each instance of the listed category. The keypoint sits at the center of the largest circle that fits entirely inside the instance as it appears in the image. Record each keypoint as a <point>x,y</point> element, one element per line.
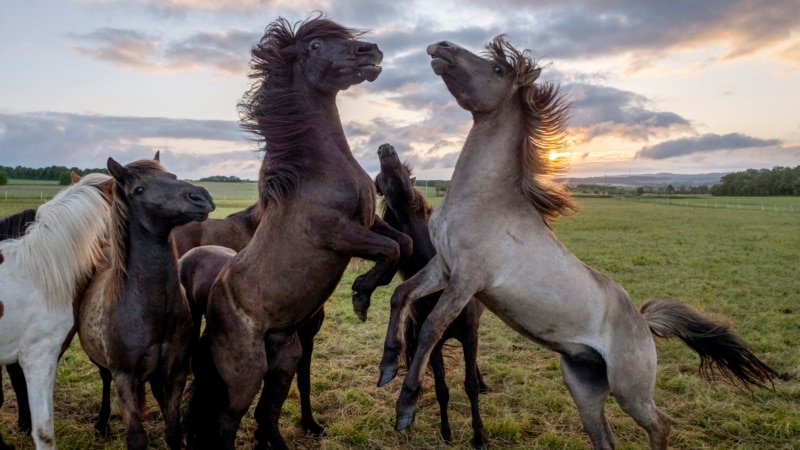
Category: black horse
<point>405,209</point>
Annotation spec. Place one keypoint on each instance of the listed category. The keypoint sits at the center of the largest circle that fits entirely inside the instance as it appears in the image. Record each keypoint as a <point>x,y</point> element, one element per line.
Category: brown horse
<point>523,274</point>
<point>199,268</point>
<point>233,231</point>
<point>134,322</point>
<point>405,209</point>
<point>319,212</point>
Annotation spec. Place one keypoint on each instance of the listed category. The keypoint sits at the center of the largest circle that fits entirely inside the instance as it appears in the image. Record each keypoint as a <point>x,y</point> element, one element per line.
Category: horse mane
<point>545,113</point>
<point>273,109</point>
<point>15,225</point>
<point>120,221</point>
<point>417,205</point>
<point>62,247</point>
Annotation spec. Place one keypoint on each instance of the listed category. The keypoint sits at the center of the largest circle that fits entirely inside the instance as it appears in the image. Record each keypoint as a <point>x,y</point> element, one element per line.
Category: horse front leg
<point>21,390</point>
<point>101,425</point>
<point>427,281</point>
<point>39,365</point>
<point>455,297</point>
<point>380,243</point>
<point>128,389</point>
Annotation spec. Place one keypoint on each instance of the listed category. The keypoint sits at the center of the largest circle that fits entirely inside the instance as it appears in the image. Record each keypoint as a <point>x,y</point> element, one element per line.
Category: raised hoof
<point>360,306</point>
<point>387,375</point>
<point>404,421</point>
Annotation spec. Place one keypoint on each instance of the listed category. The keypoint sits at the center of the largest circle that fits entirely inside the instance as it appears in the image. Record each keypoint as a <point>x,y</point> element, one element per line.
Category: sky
<point>683,86</point>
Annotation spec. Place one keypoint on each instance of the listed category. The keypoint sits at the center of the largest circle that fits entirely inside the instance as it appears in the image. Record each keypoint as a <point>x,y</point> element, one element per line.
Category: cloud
<point>647,31</point>
<point>86,141</point>
<point>224,52</point>
<point>599,111</point>
<point>703,144</point>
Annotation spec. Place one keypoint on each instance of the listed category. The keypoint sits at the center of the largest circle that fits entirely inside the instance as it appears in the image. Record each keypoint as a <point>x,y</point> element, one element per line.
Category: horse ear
<point>74,177</point>
<point>413,181</point>
<point>158,156</point>
<point>531,76</point>
<point>115,168</point>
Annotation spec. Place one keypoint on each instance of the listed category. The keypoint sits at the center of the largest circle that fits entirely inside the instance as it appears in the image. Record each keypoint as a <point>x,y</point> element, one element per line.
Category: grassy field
<point>738,263</point>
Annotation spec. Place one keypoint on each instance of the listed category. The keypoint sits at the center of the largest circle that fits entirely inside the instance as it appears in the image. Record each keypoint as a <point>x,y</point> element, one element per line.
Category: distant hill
<point>655,179</point>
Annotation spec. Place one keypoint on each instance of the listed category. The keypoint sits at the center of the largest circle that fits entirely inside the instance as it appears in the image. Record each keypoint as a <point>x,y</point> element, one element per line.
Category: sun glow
<point>565,156</point>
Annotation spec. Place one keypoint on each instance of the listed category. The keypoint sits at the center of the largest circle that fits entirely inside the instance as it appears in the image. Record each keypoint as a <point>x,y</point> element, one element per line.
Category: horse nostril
<point>366,48</point>
<point>446,44</point>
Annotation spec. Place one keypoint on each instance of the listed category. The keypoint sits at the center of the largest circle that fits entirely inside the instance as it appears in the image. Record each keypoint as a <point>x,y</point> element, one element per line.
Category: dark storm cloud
<point>704,144</point>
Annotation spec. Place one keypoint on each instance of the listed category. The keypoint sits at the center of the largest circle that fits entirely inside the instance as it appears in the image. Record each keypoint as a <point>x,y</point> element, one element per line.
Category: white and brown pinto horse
<point>41,275</point>
<point>523,274</point>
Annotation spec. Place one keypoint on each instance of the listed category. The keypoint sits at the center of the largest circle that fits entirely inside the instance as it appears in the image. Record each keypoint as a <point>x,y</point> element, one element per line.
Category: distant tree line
<point>52,173</point>
<point>440,186</point>
<point>223,178</point>
<point>760,182</point>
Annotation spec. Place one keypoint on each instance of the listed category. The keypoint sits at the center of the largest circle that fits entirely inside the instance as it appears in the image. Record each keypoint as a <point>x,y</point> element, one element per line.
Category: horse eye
<point>138,190</point>
<point>315,45</point>
<point>498,70</point>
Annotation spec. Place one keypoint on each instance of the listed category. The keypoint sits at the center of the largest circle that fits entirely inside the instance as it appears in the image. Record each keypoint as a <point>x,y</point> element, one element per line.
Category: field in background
<point>740,264</point>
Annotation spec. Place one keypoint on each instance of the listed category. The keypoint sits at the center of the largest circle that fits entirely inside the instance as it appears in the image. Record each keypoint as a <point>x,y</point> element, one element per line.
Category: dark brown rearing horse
<point>134,322</point>
<point>319,212</point>
<point>405,209</point>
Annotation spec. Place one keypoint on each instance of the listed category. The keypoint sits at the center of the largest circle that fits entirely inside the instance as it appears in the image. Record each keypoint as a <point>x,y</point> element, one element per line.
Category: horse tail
<point>721,351</point>
<point>203,399</point>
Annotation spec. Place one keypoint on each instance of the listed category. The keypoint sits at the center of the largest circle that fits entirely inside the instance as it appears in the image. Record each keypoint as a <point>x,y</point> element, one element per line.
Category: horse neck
<point>326,124</point>
<point>490,158</point>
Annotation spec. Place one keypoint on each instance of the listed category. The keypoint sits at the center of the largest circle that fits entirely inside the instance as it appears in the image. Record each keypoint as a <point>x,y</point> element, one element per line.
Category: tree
<point>64,178</point>
<point>3,178</point>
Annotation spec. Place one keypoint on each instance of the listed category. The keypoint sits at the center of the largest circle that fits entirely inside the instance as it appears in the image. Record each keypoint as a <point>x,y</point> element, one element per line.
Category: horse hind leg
<point>473,386</point>
<point>632,379</point>
<point>442,391</point>
<point>277,381</point>
<point>306,334</point>
<point>589,387</point>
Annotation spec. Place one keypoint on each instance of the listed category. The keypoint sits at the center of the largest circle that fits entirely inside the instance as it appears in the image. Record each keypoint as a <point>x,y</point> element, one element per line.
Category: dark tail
<point>204,398</point>
<point>721,351</point>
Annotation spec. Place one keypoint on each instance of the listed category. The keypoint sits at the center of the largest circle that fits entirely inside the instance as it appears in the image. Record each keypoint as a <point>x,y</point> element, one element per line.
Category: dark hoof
<point>312,427</point>
<point>360,305</point>
<point>404,421</point>
<point>24,426</point>
<point>102,432</point>
<point>388,374</point>
<point>479,444</point>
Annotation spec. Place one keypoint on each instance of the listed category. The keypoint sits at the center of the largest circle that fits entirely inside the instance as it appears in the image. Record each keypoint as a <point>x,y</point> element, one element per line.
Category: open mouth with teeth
<point>369,72</point>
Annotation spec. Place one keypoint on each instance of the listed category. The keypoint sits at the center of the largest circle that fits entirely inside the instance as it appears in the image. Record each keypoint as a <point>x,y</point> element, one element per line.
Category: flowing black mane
<point>272,108</point>
<point>15,225</point>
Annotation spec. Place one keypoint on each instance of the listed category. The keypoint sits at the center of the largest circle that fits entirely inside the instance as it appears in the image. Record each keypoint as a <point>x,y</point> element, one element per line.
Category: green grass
<point>739,264</point>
